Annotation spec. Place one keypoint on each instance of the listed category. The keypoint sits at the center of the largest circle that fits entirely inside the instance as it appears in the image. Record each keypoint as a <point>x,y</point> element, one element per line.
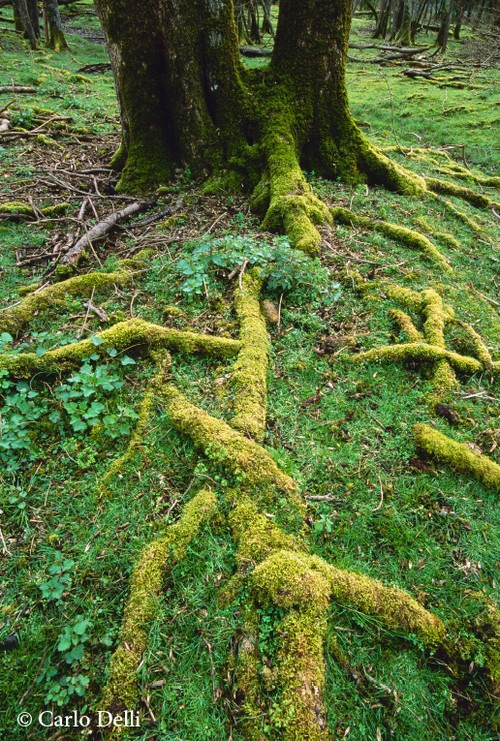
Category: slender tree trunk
<point>26,18</point>
<point>53,26</point>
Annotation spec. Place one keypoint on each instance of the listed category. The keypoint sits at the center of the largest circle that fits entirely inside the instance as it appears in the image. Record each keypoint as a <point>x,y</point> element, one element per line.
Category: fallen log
<point>16,89</point>
<point>100,230</point>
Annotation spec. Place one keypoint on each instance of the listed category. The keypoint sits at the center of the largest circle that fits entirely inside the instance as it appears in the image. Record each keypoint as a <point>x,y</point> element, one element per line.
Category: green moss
<point>249,378</point>
<point>406,325</point>
<point>444,186</point>
<point>247,680</point>
<point>256,536</point>
<point>381,170</point>
<point>407,297</point>
<point>480,349</point>
<point>420,351</point>
<point>53,296</point>
<point>301,674</point>
<point>291,579</point>
<point>146,585</point>
<point>134,333</point>
<point>402,234</point>
<point>473,225</point>
<point>18,208</point>
<point>223,444</point>
<point>458,456</point>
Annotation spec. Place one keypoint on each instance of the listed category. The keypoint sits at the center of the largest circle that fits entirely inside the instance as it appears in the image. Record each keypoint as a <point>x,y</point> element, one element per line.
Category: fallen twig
<point>101,229</point>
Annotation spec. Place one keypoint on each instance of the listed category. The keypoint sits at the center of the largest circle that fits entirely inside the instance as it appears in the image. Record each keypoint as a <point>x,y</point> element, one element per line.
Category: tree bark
<point>185,100</point>
<point>53,26</point>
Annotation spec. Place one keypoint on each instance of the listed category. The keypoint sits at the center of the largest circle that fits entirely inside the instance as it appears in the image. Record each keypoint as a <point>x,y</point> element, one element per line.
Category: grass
<point>342,430</point>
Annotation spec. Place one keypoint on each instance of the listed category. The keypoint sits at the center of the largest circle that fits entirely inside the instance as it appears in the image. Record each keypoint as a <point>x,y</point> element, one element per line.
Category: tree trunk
<point>26,18</point>
<point>186,101</point>
<point>53,26</point>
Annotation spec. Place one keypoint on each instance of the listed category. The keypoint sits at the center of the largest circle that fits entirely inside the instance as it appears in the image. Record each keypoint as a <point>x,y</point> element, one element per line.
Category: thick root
<point>473,225</point>
<point>471,196</point>
<point>222,444</point>
<point>147,580</point>
<point>383,171</point>
<point>132,334</point>
<point>249,379</point>
<point>293,207</point>
<point>19,209</point>
<point>401,234</point>
<point>420,351</point>
<point>458,456</point>
<point>406,325</point>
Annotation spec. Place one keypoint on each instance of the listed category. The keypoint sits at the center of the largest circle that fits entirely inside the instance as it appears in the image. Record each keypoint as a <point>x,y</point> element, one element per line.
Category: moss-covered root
<point>481,351</point>
<point>435,317</point>
<point>11,320</point>
<point>243,457</point>
<point>249,379</point>
<point>19,209</point>
<point>147,580</point>
<point>450,189</point>
<point>473,225</point>
<point>406,325</point>
<point>301,675</point>
<point>458,456</point>
<point>137,438</point>
<point>421,351</point>
<point>383,171</point>
<point>295,579</point>
<point>402,234</point>
<point>293,207</point>
<point>289,579</point>
<point>132,334</point>
<point>247,678</point>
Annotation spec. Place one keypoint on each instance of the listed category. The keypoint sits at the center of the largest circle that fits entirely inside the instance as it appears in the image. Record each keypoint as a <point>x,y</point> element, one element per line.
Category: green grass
<point>434,533</point>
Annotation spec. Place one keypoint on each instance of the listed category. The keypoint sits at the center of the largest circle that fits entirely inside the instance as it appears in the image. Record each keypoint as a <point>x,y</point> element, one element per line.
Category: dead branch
<point>16,89</point>
<point>101,229</point>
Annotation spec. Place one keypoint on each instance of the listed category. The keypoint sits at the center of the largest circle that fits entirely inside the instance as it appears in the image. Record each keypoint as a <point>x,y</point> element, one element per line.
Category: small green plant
<point>77,398</point>
<point>60,579</point>
<point>282,266</point>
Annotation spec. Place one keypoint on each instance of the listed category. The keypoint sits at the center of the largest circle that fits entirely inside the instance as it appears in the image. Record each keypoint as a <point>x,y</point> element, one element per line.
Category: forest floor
<point>344,430</point>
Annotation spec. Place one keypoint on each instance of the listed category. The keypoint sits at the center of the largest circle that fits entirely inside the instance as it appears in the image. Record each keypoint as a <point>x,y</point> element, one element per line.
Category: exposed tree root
<point>20,210</point>
<point>445,237</point>
<point>249,378</point>
<point>133,334</point>
<point>402,234</point>
<point>429,345</point>
<point>222,444</point>
<point>450,189</point>
<point>473,225</point>
<point>458,456</point>
<point>120,692</point>
<point>11,320</point>
<point>137,436</point>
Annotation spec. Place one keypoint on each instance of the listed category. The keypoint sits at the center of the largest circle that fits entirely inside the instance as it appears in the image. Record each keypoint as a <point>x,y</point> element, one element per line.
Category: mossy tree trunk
<point>53,26</point>
<point>186,101</point>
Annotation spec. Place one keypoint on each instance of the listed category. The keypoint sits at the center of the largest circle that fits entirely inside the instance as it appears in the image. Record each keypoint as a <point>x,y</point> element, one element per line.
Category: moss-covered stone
<point>458,456</point>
